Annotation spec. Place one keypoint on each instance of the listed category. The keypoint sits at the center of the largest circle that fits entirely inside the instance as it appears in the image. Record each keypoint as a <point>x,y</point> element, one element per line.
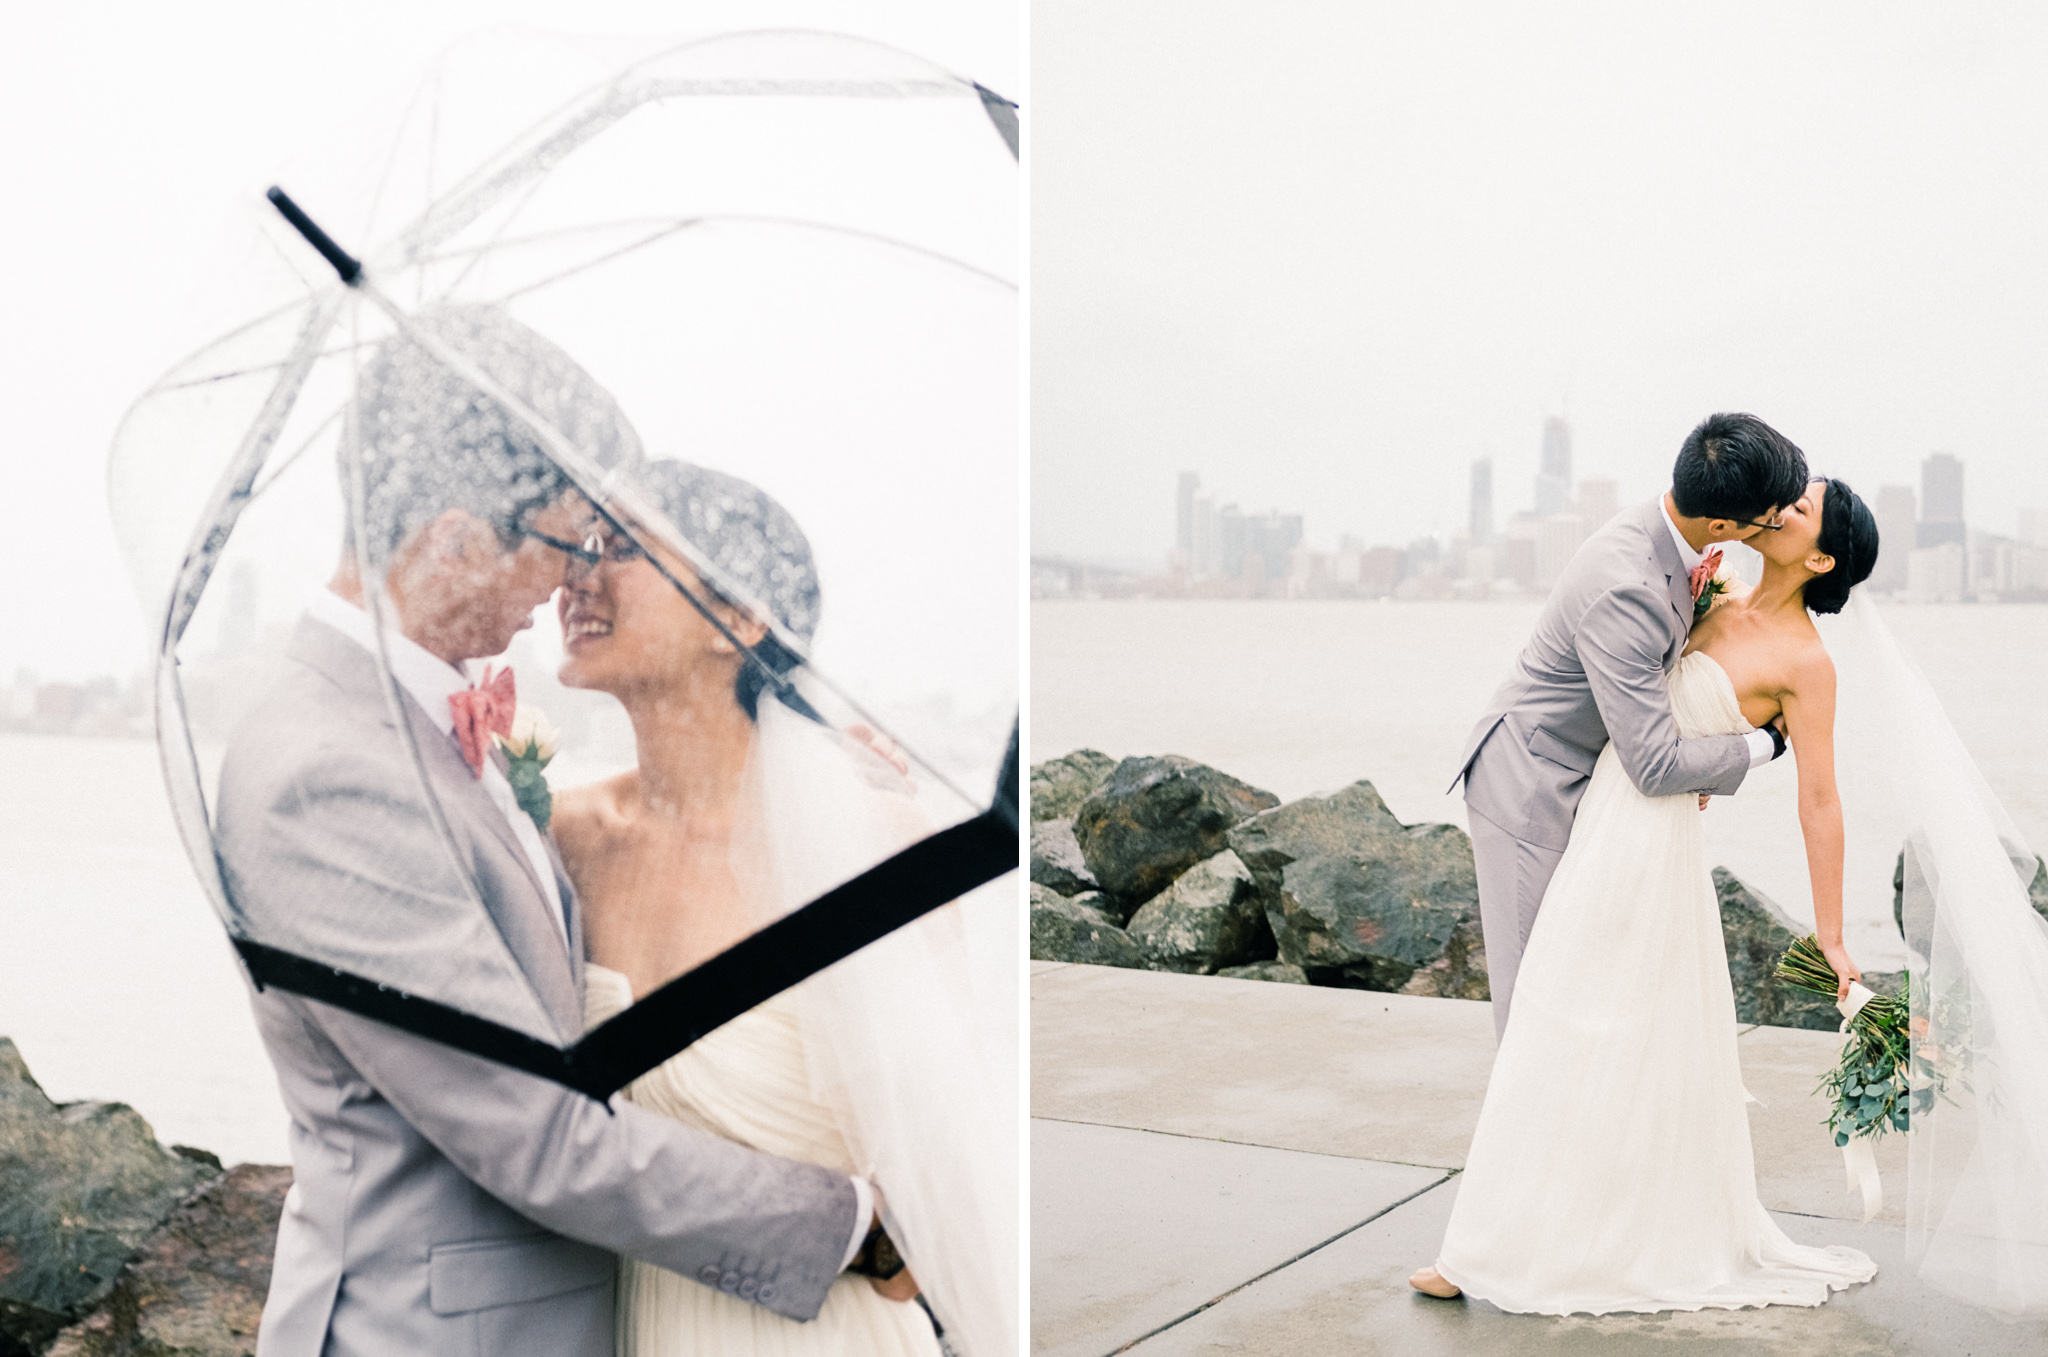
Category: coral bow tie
<point>1709,566</point>
<point>481,712</point>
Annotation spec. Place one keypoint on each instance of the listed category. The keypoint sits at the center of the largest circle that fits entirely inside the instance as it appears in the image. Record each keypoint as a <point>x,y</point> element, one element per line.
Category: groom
<point>444,1203</point>
<point>1594,672</point>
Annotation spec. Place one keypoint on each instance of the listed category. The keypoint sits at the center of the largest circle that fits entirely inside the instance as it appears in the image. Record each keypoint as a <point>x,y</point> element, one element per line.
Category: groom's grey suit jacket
<point>1594,671</point>
<point>443,1203</point>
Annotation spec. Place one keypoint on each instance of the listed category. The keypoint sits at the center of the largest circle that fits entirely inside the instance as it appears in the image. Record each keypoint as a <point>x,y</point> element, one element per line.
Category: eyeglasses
<point>599,547</point>
<point>1778,519</point>
<point>585,555</point>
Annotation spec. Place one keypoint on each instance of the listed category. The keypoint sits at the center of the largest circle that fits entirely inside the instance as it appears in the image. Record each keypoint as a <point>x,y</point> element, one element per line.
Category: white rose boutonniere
<point>531,747</point>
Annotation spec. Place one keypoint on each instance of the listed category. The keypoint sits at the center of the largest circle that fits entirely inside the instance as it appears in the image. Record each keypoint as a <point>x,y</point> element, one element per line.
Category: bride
<point>739,810</point>
<point>1611,1167</point>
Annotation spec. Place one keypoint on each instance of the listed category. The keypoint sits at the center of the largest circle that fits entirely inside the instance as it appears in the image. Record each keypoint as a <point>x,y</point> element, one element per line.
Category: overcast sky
<point>1327,253</point>
<point>132,131</point>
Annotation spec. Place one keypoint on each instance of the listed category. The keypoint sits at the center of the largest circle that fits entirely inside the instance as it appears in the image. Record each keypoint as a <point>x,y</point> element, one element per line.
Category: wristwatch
<point>1777,739</point>
<point>878,1257</point>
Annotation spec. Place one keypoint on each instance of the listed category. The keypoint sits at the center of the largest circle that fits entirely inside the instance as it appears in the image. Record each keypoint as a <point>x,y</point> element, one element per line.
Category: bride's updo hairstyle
<point>755,541</point>
<point>1848,532</point>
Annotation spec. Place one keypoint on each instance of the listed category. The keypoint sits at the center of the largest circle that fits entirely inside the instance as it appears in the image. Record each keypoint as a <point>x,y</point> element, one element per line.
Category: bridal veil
<point>912,1041</point>
<point>1977,1157</point>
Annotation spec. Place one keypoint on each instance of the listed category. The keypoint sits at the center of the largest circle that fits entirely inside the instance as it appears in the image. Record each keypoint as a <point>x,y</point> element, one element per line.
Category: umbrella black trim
<point>914,882</point>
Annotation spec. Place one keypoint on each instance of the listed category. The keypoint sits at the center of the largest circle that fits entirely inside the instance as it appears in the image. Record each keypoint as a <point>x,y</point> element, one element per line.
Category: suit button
<point>708,1274</point>
<point>766,1293</point>
<point>729,1283</point>
<point>747,1286</point>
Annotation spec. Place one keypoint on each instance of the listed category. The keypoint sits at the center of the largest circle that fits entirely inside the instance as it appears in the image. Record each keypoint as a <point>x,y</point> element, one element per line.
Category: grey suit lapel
<point>522,917</point>
<point>1677,579</point>
<point>572,905</point>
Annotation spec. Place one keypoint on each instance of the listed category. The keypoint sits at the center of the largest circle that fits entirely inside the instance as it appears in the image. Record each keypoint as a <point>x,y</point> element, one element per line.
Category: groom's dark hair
<point>1736,467</point>
<point>431,441</point>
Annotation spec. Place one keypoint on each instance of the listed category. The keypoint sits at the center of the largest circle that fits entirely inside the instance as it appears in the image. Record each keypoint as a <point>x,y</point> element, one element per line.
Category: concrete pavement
<point>1234,1166</point>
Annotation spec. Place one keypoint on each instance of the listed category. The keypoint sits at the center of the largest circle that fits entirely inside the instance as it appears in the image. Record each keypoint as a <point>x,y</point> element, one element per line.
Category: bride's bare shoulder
<point>584,815</point>
<point>1809,666</point>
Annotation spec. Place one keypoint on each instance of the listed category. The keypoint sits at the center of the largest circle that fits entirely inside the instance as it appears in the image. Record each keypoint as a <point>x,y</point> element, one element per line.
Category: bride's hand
<point>1845,969</point>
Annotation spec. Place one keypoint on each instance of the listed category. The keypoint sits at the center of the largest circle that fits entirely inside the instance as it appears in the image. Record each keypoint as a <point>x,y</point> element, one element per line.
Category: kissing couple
<point>1611,1168</point>
<point>732,1199</point>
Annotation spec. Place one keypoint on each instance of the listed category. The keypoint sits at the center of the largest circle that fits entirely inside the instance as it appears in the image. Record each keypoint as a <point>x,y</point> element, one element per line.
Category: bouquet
<point>1870,1089</point>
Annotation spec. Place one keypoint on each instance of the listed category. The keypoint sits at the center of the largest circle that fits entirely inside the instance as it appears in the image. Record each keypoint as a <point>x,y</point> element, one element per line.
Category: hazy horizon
<point>138,141</point>
<point>1326,256</point>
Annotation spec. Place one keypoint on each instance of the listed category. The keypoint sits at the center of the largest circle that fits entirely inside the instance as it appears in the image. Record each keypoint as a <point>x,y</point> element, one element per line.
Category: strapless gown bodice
<point>747,1082</point>
<point>1703,700</point>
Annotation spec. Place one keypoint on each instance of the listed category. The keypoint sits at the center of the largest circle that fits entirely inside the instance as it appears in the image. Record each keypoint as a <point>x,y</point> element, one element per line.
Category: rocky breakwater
<point>112,1245</point>
<point>1166,864</point>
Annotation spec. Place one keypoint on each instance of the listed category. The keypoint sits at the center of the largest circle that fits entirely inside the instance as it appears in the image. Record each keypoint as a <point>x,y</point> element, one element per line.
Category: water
<point>115,980</point>
<point>1305,697</point>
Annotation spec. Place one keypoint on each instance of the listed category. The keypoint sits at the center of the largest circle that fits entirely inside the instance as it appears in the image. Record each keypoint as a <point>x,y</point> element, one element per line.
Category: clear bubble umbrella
<point>652,315</point>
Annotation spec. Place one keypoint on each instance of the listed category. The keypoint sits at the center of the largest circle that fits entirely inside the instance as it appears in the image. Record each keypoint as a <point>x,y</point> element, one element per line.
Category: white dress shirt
<point>1761,746</point>
<point>431,681</point>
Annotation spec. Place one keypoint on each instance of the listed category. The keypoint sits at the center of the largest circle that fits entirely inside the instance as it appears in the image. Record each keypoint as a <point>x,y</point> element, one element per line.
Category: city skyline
<point>1932,552</point>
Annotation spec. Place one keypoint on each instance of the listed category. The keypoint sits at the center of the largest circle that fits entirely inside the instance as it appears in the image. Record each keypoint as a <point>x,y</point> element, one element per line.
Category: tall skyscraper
<point>1482,501</point>
<point>1231,539</point>
<point>1184,520</point>
<point>1941,502</point>
<point>1206,562</point>
<point>1897,513</point>
<point>1554,476</point>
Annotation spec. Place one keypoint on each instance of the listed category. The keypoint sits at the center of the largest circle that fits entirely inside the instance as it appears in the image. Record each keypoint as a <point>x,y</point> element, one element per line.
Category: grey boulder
<point>82,1186</point>
<point>1357,898</point>
<point>1207,919</point>
<point>1278,971</point>
<point>197,1288</point>
<point>2037,896</point>
<point>1056,861</point>
<point>1460,973</point>
<point>1154,818</point>
<point>1059,786</point>
<point>1755,933</point>
<point>1064,929</point>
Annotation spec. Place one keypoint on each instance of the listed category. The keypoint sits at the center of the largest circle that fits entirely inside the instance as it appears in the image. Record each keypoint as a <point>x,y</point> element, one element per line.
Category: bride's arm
<point>1810,724</point>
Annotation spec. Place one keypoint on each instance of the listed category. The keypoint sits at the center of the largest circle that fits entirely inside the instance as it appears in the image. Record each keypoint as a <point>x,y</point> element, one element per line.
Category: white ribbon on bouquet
<point>1859,1156</point>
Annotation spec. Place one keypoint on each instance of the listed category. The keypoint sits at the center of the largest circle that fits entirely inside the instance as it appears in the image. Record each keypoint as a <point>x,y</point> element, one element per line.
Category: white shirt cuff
<point>863,1212</point>
<point>1761,747</point>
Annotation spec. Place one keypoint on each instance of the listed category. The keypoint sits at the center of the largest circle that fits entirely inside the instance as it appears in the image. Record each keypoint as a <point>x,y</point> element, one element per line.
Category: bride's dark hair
<point>1848,532</point>
<point>756,542</point>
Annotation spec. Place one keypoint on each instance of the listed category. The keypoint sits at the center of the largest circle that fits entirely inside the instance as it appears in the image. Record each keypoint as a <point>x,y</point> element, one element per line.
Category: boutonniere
<point>530,747</point>
<point>1708,584</point>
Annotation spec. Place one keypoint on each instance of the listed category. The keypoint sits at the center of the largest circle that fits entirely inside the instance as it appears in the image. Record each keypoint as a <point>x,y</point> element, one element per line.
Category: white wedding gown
<point>1611,1169</point>
<point>747,1081</point>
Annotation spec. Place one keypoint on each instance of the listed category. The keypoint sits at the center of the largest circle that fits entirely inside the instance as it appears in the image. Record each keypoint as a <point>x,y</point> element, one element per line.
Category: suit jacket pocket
<point>1544,745</point>
<point>482,1273</point>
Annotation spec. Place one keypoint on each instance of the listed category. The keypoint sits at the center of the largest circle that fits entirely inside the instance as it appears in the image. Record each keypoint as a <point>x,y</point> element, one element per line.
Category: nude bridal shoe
<point>1430,1282</point>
